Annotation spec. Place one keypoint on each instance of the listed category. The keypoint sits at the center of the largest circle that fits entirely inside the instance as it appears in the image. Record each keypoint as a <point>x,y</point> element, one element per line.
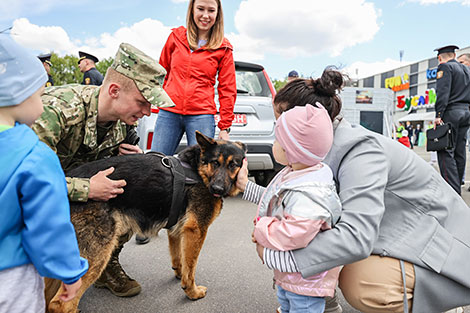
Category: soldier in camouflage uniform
<point>85,123</point>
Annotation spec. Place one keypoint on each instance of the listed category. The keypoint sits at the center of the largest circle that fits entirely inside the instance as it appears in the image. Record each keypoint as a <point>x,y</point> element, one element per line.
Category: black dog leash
<point>183,175</point>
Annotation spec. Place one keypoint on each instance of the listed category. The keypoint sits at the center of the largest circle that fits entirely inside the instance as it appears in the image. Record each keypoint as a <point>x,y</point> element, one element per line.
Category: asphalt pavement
<point>228,266</point>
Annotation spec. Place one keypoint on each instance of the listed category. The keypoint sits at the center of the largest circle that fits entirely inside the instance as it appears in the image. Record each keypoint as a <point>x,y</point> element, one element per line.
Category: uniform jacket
<point>35,213</point>
<point>50,81</point>
<point>191,78</point>
<point>395,204</point>
<point>295,207</point>
<point>69,126</point>
<point>92,77</point>
<point>452,86</point>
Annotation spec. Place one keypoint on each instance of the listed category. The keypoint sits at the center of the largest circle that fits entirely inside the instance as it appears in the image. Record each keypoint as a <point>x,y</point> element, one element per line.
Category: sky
<point>362,37</point>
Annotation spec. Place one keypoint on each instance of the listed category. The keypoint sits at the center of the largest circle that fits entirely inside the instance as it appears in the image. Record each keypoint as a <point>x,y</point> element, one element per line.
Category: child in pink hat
<point>300,202</point>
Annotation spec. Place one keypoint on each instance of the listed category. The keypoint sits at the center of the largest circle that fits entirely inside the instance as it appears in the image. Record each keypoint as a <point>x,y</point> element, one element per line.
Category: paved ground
<point>228,266</point>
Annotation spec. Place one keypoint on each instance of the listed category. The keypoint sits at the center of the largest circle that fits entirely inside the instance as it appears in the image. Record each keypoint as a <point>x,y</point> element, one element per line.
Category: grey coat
<point>395,204</point>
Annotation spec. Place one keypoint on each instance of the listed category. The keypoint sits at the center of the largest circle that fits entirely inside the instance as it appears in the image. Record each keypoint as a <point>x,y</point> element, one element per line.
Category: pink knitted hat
<point>305,133</point>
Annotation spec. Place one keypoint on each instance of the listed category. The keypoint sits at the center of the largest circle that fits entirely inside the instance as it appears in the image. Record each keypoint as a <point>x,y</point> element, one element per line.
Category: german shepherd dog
<point>144,207</point>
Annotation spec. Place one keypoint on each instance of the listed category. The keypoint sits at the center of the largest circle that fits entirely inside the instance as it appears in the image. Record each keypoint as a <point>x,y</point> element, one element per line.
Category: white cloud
<point>148,35</point>
<point>42,38</point>
<point>363,69</point>
<point>244,48</point>
<point>305,27</point>
<point>428,2</point>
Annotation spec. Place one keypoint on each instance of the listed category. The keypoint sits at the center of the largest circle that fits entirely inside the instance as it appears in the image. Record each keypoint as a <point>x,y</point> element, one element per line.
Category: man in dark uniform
<point>46,61</point>
<point>86,63</point>
<point>464,59</point>
<point>452,106</point>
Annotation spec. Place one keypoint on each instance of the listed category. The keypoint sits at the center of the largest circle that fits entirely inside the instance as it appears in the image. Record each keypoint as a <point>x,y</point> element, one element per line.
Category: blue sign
<point>431,74</point>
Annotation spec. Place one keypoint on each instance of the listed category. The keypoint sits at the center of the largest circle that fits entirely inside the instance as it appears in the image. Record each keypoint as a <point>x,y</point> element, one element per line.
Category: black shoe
<point>141,240</point>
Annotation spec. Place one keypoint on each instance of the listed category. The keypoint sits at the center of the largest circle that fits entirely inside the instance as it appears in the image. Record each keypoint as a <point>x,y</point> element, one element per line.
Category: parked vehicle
<point>253,123</point>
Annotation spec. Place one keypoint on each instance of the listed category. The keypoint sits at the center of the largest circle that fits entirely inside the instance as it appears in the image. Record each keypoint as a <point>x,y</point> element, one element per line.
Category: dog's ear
<point>204,141</point>
<point>190,155</point>
<point>241,145</point>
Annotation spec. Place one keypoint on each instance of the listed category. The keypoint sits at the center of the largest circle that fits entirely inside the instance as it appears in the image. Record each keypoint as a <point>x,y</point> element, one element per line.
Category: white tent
<point>426,116</point>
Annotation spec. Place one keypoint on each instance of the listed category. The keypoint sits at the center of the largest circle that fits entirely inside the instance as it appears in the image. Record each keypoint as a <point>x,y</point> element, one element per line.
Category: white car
<point>253,123</point>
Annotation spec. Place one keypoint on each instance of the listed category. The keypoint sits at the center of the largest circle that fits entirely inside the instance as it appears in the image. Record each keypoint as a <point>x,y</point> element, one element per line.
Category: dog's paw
<point>177,272</point>
<point>197,293</point>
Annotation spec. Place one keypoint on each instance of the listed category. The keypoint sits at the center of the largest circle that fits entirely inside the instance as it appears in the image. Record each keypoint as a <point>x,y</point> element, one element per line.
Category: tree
<point>278,84</point>
<point>65,70</point>
<point>103,65</point>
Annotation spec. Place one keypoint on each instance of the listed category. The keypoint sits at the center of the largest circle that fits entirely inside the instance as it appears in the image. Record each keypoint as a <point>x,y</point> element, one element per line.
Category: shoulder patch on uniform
<point>439,74</point>
<point>87,80</point>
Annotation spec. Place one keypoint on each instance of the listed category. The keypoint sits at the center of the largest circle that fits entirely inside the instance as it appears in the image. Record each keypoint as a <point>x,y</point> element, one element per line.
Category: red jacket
<point>405,140</point>
<point>191,77</point>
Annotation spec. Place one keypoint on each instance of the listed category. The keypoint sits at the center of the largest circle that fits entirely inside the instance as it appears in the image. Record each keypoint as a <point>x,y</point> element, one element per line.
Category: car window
<point>251,83</point>
<point>248,82</point>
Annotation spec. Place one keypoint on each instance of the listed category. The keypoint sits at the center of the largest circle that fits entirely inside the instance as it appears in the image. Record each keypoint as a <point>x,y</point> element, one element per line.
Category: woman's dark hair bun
<point>330,81</point>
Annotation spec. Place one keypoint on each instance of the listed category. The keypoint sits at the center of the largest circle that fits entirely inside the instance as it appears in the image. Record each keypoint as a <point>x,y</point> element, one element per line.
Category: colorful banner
<point>398,83</point>
<point>428,100</point>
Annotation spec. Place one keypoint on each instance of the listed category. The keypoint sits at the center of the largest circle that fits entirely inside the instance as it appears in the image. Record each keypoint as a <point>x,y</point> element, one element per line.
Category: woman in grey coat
<point>403,232</point>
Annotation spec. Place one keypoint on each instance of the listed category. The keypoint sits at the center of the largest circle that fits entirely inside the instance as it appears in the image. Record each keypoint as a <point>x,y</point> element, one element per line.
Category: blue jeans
<point>293,303</point>
<point>170,127</point>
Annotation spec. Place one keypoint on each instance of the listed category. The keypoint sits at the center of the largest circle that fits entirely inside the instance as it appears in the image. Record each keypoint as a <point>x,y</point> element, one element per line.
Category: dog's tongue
<point>217,196</point>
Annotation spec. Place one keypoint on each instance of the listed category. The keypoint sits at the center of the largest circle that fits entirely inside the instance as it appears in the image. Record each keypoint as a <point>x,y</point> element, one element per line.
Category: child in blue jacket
<point>36,235</point>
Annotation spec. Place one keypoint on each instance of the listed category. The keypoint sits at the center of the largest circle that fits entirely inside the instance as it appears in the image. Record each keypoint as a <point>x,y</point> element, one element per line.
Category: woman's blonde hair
<point>216,34</point>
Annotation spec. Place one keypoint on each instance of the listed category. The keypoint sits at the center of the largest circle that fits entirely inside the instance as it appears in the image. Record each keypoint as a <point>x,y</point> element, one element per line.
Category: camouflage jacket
<point>68,126</point>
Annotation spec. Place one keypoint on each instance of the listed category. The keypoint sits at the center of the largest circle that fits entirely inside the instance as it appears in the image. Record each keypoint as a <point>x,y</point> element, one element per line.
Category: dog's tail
<point>50,290</point>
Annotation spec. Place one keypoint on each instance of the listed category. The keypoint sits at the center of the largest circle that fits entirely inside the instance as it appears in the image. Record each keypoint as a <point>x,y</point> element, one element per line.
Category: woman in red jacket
<point>193,58</point>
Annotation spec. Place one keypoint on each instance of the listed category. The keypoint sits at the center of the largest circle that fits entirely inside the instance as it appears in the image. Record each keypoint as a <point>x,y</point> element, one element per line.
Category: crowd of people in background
<point>411,132</point>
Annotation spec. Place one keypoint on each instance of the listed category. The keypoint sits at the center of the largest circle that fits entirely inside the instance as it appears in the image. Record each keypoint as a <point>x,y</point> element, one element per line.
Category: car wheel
<point>263,178</point>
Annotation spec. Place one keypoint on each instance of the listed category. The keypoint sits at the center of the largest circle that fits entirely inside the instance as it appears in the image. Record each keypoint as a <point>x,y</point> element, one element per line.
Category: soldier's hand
<point>437,121</point>
<point>102,188</point>
<point>125,148</point>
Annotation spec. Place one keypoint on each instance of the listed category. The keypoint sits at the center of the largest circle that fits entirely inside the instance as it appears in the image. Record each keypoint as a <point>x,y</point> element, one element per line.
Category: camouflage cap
<point>147,74</point>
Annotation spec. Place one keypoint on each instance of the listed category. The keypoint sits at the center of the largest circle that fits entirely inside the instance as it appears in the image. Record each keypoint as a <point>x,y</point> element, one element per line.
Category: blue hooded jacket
<point>35,222</point>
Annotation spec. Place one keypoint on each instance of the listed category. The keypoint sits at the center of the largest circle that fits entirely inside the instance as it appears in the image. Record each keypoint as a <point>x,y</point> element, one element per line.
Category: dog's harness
<point>183,174</point>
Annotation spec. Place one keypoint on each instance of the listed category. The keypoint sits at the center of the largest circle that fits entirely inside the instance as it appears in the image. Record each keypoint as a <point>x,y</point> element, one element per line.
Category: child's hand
<point>260,250</point>
<point>253,239</point>
<point>70,291</point>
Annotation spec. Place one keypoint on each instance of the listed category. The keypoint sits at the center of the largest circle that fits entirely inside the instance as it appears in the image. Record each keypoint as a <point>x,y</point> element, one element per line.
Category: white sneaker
<point>456,310</point>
